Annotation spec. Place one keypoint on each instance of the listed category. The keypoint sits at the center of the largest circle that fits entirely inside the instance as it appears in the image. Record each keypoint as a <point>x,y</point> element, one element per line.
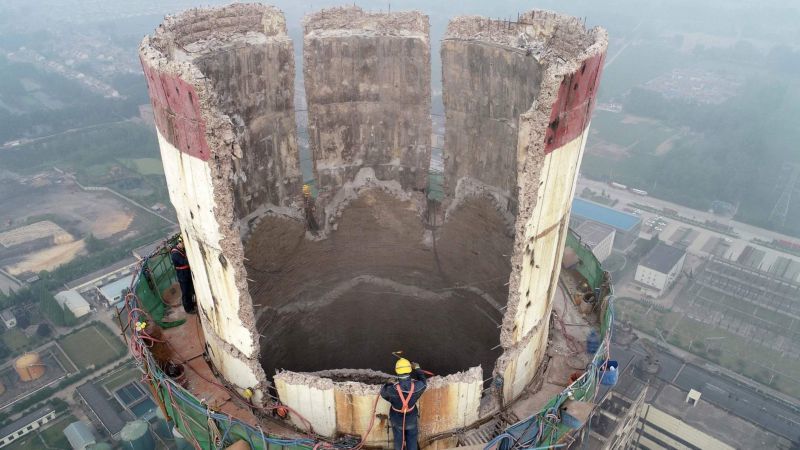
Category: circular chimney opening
<point>384,280</point>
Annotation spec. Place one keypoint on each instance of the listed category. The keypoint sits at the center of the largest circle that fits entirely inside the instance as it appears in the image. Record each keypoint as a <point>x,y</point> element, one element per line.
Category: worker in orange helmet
<point>403,395</point>
<point>184,275</point>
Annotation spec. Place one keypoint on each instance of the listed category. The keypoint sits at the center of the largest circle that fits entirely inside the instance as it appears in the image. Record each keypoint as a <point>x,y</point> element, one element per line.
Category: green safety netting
<point>589,267</point>
<point>155,276</point>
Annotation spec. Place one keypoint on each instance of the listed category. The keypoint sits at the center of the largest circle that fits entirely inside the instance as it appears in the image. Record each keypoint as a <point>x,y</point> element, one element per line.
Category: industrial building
<point>111,293</point>
<point>9,320</point>
<point>304,293</point>
<point>752,303</point>
<point>25,424</point>
<point>79,435</point>
<point>660,268</point>
<point>627,226</point>
<point>73,301</point>
<point>103,412</point>
<point>663,402</point>
<point>598,237</point>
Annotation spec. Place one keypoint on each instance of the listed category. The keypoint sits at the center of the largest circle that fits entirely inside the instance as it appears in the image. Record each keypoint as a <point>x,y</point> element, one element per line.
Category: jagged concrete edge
<point>223,145</point>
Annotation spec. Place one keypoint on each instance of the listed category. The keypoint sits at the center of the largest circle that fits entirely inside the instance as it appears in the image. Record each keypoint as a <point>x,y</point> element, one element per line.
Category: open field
<point>78,212</point>
<point>104,347</point>
<point>47,259</point>
<point>145,166</point>
<point>15,339</point>
<point>631,134</point>
<point>52,207</point>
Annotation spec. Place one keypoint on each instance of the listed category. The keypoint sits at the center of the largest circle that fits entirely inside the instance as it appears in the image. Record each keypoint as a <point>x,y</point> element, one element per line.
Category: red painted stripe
<point>177,112</point>
<point>573,107</point>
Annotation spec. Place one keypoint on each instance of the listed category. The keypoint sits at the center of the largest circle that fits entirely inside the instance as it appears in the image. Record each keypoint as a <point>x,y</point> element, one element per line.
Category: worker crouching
<point>403,395</point>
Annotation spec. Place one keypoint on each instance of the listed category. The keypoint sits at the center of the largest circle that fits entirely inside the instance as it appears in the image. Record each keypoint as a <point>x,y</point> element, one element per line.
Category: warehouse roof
<point>113,291</point>
<point>71,299</point>
<point>79,435</point>
<point>603,214</point>
<point>24,421</point>
<point>662,258</point>
<point>101,407</point>
<point>593,233</point>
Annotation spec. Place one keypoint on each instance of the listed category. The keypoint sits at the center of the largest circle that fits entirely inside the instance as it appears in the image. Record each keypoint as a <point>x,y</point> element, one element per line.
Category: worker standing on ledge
<point>403,395</point>
<point>184,274</point>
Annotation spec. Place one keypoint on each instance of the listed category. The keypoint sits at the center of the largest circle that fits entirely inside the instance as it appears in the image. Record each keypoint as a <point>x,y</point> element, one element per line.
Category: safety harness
<point>404,399</point>
<point>184,267</point>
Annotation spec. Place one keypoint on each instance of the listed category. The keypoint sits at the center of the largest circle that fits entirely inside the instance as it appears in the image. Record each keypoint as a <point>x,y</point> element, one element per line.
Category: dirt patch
<point>59,200</point>
<point>47,259</point>
<point>633,120</point>
<point>111,223</point>
<point>664,147</point>
<point>380,283</point>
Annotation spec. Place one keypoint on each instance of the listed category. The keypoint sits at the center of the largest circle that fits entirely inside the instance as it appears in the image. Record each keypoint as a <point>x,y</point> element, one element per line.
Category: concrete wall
<point>367,81</point>
<point>486,87</point>
<point>332,407</point>
<point>221,84</point>
<point>518,99</point>
<point>254,80</point>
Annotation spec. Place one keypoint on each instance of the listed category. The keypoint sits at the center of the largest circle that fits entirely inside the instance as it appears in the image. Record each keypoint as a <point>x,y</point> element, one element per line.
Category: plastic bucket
<point>610,373</point>
<point>592,342</point>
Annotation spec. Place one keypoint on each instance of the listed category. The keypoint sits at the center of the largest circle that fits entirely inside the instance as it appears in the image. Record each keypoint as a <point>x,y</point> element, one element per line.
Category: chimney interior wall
<point>486,87</point>
<point>367,82</point>
<point>254,81</point>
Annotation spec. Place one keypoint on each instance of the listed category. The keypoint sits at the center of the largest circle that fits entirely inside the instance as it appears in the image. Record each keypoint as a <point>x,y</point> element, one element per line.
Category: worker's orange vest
<point>405,399</point>
<point>182,254</point>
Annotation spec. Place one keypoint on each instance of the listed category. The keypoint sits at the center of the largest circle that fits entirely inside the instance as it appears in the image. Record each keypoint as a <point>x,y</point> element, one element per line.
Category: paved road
<point>730,396</point>
<point>772,415</point>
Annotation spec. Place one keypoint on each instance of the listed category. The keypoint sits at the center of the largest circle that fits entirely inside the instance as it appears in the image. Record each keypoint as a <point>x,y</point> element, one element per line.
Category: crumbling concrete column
<point>518,100</point>
<point>367,80</point>
<point>221,85</point>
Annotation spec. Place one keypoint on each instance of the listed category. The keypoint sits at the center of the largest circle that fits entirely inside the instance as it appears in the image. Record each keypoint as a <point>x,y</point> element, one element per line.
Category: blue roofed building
<point>627,226</point>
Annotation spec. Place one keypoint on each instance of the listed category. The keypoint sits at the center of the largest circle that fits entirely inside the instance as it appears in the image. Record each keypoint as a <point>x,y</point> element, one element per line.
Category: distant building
<point>599,238</point>
<point>626,226</point>
<point>659,430</point>
<point>79,435</point>
<point>103,410</point>
<point>8,318</point>
<point>25,424</point>
<point>630,422</point>
<point>615,423</point>
<point>111,293</point>
<point>660,268</point>
<point>74,302</point>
